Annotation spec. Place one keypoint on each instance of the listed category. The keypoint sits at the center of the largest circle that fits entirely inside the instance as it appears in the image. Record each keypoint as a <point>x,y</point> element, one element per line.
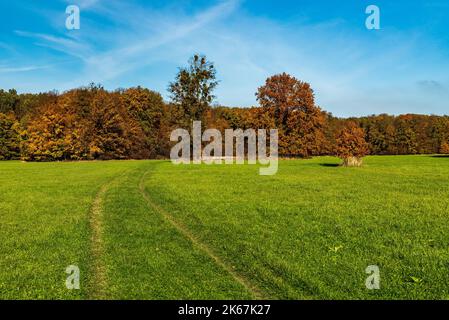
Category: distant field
<point>152,230</point>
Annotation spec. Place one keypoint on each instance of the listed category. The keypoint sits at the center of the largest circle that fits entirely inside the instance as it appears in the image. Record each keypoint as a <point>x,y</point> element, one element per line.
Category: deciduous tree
<point>111,133</point>
<point>351,145</point>
<point>193,88</point>
<point>300,122</point>
<point>54,134</point>
<point>148,109</point>
<point>9,137</point>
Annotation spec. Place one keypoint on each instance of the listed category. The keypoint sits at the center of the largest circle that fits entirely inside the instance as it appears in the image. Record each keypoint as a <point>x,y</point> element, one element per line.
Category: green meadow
<point>154,230</point>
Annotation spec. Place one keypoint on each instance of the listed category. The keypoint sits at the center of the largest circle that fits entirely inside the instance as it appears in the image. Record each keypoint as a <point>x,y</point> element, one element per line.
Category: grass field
<point>153,230</point>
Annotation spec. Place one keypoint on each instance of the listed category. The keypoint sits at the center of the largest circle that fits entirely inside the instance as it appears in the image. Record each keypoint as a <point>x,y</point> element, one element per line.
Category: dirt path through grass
<point>98,281</point>
<point>256,292</point>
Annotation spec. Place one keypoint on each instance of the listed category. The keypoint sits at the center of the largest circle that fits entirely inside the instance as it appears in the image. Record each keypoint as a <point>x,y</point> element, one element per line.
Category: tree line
<point>91,123</point>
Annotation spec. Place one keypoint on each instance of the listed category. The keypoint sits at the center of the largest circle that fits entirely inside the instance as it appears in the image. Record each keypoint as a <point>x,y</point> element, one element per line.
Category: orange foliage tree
<point>54,134</point>
<point>111,132</point>
<point>444,149</point>
<point>351,145</point>
<point>291,103</point>
<point>84,124</point>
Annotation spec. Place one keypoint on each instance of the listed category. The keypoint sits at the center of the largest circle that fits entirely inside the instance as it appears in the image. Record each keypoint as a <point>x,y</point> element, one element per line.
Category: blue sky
<point>402,68</point>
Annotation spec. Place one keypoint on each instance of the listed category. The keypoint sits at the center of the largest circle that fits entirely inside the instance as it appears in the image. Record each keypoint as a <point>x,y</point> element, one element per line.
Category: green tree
<point>9,101</point>
<point>148,108</point>
<point>9,137</point>
<point>193,88</point>
<point>112,133</point>
<point>405,138</point>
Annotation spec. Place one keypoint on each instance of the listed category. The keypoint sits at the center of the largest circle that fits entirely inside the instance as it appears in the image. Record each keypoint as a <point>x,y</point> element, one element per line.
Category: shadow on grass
<point>440,156</point>
<point>331,165</point>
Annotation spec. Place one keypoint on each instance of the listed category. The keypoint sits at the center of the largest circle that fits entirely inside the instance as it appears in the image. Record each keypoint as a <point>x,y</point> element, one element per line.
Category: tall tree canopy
<point>283,94</point>
<point>9,101</point>
<point>193,87</point>
<point>300,122</point>
<point>148,109</point>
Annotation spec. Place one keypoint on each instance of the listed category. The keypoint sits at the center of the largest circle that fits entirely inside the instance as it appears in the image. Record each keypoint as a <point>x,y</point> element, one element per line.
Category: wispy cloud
<point>125,53</point>
<point>135,42</point>
<point>114,62</point>
<point>4,69</point>
<point>65,45</point>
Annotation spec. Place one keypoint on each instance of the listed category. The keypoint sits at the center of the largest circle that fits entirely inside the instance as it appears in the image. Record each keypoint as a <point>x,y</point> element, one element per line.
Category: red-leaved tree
<point>291,103</point>
<point>351,145</point>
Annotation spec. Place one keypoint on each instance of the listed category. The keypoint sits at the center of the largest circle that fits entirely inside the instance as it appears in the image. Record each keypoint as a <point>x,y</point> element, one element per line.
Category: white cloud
<point>6,69</point>
<point>62,44</point>
<point>353,72</point>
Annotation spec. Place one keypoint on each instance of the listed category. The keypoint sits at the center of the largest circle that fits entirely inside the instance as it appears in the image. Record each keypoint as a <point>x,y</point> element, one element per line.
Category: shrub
<point>351,145</point>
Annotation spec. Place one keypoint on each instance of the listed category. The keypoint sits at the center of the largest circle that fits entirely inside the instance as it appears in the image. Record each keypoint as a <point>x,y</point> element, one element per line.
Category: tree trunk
<point>352,162</point>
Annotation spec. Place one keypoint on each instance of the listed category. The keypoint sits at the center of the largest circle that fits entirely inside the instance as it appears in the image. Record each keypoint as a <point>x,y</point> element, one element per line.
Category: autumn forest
<point>90,122</point>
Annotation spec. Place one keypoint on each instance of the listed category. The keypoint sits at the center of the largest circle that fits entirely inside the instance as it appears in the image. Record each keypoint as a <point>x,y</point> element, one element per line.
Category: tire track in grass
<point>98,281</point>
<point>253,289</point>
